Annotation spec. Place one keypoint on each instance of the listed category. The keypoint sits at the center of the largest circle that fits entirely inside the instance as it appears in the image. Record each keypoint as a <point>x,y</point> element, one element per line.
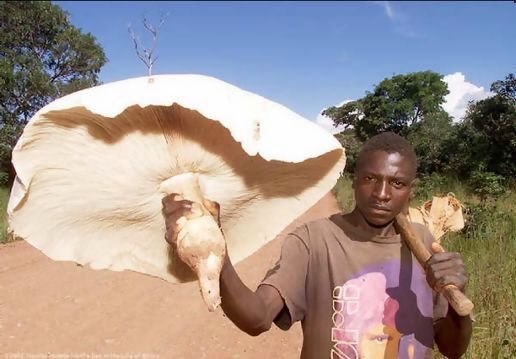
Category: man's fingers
<point>437,248</point>
<point>176,196</point>
<point>172,197</point>
<point>212,207</point>
<point>173,227</point>
<point>177,211</point>
<point>457,280</point>
<point>195,211</point>
<point>454,265</point>
<point>445,268</point>
<point>171,235</point>
<point>176,206</point>
<point>443,257</point>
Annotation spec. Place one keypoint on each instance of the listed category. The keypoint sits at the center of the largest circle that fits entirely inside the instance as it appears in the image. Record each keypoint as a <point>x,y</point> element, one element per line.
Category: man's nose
<point>382,191</point>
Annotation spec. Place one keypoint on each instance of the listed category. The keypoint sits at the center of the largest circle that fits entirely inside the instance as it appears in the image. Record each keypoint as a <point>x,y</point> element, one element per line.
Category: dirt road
<point>54,309</point>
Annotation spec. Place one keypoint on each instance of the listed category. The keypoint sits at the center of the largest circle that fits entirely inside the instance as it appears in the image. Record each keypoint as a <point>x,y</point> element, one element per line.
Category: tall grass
<point>488,248</point>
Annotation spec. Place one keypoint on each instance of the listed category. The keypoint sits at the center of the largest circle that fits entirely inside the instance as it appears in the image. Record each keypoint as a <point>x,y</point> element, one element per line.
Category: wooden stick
<point>462,305</point>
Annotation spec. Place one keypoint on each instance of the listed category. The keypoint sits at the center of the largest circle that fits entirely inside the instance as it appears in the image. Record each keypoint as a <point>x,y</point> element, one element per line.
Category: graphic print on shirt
<point>383,312</point>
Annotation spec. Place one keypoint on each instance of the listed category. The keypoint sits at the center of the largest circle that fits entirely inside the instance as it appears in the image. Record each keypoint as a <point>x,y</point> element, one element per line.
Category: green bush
<point>487,185</point>
<point>4,178</point>
<point>437,184</point>
<point>480,217</point>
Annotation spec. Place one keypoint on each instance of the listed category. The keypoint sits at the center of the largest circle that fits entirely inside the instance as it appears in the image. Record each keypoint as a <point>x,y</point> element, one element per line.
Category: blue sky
<point>308,55</point>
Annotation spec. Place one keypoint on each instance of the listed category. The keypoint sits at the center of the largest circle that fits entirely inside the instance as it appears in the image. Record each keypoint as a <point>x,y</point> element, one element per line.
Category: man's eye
<point>398,184</point>
<point>368,178</point>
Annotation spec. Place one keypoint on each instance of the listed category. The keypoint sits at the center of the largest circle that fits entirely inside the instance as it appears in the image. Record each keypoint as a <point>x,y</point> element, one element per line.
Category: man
<point>350,279</point>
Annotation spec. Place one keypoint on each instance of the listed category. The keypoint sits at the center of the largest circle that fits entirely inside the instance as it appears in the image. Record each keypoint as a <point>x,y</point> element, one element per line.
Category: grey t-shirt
<point>356,296</point>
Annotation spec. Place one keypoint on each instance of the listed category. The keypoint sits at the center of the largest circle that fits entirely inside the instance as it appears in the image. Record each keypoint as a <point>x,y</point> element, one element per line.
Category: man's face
<point>383,185</point>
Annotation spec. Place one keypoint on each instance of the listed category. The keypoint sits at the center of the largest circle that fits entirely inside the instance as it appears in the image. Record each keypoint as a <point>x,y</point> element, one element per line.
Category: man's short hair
<point>391,143</point>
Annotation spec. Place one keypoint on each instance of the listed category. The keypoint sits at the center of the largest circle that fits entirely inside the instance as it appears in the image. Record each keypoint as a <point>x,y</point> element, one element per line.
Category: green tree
<point>42,57</point>
<point>430,138</point>
<point>395,104</point>
<point>505,88</point>
<point>352,144</point>
<point>465,150</point>
<point>495,120</point>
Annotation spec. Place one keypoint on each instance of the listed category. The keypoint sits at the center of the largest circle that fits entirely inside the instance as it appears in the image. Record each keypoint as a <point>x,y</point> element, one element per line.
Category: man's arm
<point>252,312</point>
<point>453,332</point>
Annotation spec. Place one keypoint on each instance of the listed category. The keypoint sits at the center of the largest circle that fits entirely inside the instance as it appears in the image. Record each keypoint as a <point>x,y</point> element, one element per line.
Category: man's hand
<point>445,268</point>
<point>176,207</point>
<point>453,332</point>
<point>214,209</point>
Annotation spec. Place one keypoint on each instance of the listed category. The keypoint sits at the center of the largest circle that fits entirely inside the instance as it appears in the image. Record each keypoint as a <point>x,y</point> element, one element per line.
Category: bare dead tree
<point>146,55</point>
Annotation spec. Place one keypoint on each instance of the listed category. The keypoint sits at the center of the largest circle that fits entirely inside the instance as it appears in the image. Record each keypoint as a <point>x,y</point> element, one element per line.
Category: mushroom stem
<point>208,273</point>
<point>200,243</point>
<point>186,184</point>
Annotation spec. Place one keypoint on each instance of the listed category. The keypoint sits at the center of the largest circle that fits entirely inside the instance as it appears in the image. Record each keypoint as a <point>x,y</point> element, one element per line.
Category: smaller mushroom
<point>440,215</point>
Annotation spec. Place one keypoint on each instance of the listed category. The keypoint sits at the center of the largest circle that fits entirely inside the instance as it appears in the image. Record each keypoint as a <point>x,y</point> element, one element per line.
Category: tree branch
<point>147,57</point>
<point>137,46</point>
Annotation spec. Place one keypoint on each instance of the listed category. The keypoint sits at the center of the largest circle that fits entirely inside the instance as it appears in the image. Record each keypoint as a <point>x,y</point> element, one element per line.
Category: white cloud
<point>327,123</point>
<point>389,11</point>
<point>461,92</point>
<point>401,22</point>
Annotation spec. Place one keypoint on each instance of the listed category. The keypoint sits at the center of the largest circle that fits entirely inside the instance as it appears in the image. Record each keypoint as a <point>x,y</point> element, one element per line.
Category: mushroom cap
<point>89,167</point>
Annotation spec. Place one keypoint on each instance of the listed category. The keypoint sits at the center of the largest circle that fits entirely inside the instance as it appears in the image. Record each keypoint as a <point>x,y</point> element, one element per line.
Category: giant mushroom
<point>93,166</point>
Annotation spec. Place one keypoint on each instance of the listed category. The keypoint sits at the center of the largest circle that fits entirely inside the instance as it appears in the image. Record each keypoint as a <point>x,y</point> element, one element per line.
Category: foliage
<point>394,105</point>
<point>487,185</point>
<point>479,216</point>
<point>352,144</point>
<point>42,57</point>
<point>465,150</point>
<point>505,88</point>
<point>430,138</point>
<point>344,193</point>
<point>4,178</point>
<point>495,120</point>
<point>436,184</point>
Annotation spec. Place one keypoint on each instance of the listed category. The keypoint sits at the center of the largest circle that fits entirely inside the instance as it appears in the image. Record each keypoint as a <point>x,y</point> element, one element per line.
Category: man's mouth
<point>379,207</point>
